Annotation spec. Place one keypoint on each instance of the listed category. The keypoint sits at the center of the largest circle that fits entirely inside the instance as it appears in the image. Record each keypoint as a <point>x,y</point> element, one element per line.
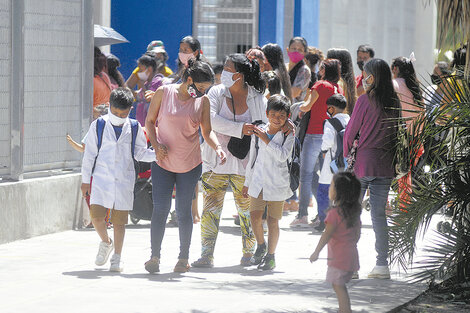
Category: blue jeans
<point>311,149</point>
<point>323,201</point>
<point>379,188</point>
<point>163,182</point>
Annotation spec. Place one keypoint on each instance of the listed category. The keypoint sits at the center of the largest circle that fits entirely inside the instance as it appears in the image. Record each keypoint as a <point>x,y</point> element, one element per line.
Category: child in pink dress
<point>342,232</point>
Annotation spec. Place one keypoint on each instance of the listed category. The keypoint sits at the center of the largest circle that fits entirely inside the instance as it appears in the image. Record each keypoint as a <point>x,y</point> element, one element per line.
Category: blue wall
<point>145,20</point>
<point>271,22</point>
<point>306,20</point>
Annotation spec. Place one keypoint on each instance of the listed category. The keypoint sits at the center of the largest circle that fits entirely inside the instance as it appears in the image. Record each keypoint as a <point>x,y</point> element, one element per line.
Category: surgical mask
<point>435,79</point>
<point>194,92</point>
<point>143,75</point>
<point>295,56</point>
<point>184,57</point>
<point>360,64</point>
<point>365,85</point>
<point>317,68</point>
<point>226,78</point>
<point>116,120</point>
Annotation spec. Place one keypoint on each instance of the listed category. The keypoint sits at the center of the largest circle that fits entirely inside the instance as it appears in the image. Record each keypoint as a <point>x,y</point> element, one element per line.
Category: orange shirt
<point>101,89</point>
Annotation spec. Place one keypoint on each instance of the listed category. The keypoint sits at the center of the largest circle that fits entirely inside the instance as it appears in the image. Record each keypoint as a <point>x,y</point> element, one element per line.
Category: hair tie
<point>412,58</point>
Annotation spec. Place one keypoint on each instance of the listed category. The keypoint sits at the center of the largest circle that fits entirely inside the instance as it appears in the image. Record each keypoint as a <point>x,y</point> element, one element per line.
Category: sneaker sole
<point>116,270</point>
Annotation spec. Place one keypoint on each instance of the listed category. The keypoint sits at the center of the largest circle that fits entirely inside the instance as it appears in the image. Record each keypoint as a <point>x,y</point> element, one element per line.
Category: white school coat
<point>114,175</point>
<point>329,145</point>
<point>270,172</point>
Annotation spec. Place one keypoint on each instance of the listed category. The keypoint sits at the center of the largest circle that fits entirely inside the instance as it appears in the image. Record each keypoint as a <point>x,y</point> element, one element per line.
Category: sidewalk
<point>56,273</point>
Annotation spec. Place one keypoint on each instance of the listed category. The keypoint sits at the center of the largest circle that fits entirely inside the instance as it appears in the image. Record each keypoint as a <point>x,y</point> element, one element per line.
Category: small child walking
<point>342,232</point>
<point>267,178</point>
<point>108,159</point>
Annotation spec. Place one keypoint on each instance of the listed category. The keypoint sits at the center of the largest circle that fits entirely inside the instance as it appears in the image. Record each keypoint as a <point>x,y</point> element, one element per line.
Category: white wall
<point>392,27</point>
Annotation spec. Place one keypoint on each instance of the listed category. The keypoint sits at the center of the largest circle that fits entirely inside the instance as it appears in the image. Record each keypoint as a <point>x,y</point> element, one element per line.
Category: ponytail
<point>250,71</point>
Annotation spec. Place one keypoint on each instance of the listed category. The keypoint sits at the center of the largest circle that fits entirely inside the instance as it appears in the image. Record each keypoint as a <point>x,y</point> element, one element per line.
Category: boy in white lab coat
<point>336,104</point>
<point>108,174</point>
<point>267,178</point>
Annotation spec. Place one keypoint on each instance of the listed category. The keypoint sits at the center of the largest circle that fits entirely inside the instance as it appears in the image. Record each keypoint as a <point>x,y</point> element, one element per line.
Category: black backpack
<point>337,161</point>
<point>293,166</point>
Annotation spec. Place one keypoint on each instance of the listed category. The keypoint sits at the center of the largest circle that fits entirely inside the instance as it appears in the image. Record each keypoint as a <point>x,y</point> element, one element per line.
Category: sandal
<point>203,262</point>
<point>245,260</point>
<point>182,266</point>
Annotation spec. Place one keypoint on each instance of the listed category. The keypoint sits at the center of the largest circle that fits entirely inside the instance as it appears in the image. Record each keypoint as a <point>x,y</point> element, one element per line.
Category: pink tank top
<point>178,123</point>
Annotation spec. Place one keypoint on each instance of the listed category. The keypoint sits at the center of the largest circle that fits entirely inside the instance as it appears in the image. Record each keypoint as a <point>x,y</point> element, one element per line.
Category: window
<point>225,26</point>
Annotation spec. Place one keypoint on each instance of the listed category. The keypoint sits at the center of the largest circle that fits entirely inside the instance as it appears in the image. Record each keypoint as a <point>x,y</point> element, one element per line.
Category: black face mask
<point>361,65</point>
<point>194,92</point>
<point>435,79</point>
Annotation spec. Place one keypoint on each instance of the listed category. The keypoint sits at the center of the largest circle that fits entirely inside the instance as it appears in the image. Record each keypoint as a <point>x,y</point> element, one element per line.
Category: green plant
<point>443,188</point>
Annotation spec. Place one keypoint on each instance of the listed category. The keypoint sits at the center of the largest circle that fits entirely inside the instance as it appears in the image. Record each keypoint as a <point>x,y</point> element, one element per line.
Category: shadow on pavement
<point>231,230</point>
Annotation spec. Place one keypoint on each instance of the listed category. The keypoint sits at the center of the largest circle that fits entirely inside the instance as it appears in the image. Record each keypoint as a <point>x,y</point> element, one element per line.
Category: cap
<point>155,44</point>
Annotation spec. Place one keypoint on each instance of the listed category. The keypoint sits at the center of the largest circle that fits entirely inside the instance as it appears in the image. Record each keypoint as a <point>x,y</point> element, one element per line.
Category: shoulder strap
<point>134,130</point>
<point>336,124</point>
<point>233,107</point>
<point>100,124</point>
<point>256,153</point>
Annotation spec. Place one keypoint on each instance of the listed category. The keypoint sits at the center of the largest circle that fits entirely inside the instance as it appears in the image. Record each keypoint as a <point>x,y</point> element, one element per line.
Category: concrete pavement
<point>56,273</point>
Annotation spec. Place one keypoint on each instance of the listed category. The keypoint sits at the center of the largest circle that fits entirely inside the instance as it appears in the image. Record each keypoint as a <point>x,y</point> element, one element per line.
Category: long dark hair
<point>113,63</point>
<point>249,69</point>
<point>347,192</point>
<point>273,53</point>
<point>347,74</point>
<point>406,71</point>
<point>381,90</point>
<point>332,70</point>
<point>99,63</point>
<point>195,45</point>
<point>199,71</point>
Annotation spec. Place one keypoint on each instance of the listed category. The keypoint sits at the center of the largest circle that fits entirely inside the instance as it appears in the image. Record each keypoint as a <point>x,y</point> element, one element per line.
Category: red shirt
<point>359,81</point>
<point>342,246</point>
<point>318,114</point>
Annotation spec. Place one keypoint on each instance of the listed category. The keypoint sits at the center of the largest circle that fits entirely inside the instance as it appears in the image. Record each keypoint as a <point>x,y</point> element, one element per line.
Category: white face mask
<point>226,79</point>
<point>143,75</point>
<point>116,120</point>
<point>365,85</point>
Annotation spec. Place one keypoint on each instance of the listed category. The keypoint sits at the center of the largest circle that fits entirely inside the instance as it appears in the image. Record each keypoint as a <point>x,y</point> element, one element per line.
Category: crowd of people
<point>237,124</point>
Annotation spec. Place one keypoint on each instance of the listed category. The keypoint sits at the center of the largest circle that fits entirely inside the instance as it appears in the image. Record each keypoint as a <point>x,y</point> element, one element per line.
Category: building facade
<point>393,28</point>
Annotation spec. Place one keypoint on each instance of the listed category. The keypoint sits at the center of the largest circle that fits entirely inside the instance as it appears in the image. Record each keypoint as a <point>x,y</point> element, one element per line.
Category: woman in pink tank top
<point>179,110</point>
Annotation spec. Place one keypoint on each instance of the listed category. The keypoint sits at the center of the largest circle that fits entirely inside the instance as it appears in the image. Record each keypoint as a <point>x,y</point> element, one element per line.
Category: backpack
<point>337,161</point>
<point>100,124</point>
<point>293,166</point>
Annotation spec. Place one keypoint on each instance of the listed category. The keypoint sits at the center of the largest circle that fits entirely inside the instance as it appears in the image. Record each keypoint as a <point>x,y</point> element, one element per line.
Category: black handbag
<point>239,148</point>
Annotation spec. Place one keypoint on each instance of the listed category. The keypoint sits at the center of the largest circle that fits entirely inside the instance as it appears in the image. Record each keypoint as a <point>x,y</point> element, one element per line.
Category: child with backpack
<point>112,145</point>
<point>342,232</point>
<point>267,178</point>
<point>332,149</point>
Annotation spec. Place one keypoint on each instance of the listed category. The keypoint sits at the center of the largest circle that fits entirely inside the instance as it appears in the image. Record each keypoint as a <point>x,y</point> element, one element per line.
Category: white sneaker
<point>115,263</point>
<point>380,272</point>
<point>103,252</point>
<point>300,222</point>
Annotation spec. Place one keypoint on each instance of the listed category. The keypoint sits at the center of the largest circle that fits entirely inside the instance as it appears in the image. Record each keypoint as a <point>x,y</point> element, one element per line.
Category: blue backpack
<point>100,124</point>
